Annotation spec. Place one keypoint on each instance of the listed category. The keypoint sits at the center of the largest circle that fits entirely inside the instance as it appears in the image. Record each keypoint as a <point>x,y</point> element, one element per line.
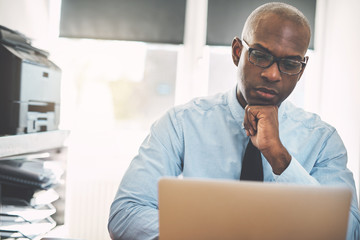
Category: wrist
<point>278,157</point>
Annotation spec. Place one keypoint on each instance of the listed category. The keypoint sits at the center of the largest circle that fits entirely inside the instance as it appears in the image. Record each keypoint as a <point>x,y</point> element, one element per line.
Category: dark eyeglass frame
<point>274,59</point>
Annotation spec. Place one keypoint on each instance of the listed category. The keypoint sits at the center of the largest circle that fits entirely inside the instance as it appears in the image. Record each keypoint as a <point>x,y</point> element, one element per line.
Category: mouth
<point>266,93</point>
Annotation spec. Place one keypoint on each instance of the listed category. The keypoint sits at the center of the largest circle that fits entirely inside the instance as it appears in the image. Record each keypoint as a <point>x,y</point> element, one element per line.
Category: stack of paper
<point>27,196</point>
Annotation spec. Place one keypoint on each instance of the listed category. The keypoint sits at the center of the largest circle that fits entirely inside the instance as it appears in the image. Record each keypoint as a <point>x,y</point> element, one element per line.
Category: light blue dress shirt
<point>205,138</point>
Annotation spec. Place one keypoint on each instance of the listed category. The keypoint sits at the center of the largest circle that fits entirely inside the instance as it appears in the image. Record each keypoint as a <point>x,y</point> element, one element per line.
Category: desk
<point>32,142</point>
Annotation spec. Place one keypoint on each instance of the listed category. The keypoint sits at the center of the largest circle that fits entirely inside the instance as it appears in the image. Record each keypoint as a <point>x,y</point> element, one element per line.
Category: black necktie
<point>252,168</point>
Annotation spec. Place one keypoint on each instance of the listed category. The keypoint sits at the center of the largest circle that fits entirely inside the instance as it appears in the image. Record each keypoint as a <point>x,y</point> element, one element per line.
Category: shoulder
<point>307,119</point>
<point>195,115</point>
<point>202,105</point>
<point>194,112</point>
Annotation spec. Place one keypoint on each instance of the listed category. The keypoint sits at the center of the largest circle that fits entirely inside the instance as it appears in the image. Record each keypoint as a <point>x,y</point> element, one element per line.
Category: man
<point>208,136</point>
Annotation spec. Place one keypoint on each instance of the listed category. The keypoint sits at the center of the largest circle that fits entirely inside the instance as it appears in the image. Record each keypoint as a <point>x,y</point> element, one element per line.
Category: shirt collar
<point>235,108</point>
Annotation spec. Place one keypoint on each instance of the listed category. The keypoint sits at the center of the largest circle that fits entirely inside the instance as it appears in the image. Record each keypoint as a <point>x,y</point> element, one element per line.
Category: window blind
<point>159,21</point>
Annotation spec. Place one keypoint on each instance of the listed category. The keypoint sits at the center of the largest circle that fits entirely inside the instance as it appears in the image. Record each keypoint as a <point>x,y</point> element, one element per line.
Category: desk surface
<point>31,142</point>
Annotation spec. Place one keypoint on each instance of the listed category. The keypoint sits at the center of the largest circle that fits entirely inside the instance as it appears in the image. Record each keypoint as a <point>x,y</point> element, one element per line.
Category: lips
<point>267,93</point>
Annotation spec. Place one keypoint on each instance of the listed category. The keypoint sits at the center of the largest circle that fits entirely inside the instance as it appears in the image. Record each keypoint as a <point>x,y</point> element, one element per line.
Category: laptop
<point>226,209</point>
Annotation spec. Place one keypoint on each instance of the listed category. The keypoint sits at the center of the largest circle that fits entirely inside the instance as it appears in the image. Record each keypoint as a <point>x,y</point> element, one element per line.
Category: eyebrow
<point>258,45</point>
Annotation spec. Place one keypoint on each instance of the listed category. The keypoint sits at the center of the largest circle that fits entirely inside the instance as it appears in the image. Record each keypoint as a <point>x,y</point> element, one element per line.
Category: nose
<point>272,73</point>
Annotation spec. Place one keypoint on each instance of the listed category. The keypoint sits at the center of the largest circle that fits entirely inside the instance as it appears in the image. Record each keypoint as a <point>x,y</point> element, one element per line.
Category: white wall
<point>339,97</point>
<point>28,17</point>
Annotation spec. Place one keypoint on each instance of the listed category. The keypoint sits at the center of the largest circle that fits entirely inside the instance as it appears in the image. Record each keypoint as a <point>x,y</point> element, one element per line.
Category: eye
<point>290,64</point>
<point>260,55</point>
<point>261,58</point>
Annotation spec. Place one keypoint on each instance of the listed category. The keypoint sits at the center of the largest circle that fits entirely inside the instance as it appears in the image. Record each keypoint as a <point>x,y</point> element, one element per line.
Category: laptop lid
<point>224,209</point>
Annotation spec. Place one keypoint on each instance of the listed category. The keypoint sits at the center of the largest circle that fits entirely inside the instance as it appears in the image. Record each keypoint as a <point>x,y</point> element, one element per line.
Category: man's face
<point>268,86</point>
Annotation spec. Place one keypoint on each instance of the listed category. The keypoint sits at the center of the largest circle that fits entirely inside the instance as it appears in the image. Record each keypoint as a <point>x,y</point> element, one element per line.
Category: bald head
<point>282,10</point>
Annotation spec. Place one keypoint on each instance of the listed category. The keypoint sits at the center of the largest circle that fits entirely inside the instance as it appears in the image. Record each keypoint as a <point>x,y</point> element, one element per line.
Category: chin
<point>263,103</point>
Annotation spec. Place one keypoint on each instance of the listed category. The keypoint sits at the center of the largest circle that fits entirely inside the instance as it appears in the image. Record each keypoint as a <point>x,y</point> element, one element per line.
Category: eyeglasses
<point>265,60</point>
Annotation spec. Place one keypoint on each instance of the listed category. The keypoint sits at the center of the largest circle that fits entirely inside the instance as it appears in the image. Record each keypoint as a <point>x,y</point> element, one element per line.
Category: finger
<point>251,120</point>
<point>246,125</point>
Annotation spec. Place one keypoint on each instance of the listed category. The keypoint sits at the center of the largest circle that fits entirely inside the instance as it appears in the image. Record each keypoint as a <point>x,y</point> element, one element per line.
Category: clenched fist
<point>262,126</point>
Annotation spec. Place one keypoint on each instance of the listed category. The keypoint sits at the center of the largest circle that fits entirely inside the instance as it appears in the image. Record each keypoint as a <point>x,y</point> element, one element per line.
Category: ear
<point>236,50</point>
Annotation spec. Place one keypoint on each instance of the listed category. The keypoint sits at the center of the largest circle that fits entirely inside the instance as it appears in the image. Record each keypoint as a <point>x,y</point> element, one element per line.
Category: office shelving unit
<point>36,219</point>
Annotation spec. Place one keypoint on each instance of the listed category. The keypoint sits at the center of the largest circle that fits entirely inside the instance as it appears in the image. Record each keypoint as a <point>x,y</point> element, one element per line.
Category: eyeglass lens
<point>264,60</point>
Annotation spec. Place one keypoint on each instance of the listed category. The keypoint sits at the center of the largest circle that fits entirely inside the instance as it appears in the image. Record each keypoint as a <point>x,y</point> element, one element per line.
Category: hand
<point>262,126</point>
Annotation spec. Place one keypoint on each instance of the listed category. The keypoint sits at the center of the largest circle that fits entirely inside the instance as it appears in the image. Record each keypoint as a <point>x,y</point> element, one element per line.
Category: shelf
<point>31,142</point>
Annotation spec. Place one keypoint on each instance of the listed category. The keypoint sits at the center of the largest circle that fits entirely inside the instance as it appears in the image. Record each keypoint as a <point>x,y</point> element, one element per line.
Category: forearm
<point>278,157</point>
<point>133,221</point>
<point>133,213</point>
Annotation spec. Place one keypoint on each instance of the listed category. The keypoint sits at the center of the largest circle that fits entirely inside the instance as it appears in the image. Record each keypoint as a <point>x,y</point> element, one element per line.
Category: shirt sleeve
<point>295,173</point>
<point>134,211</point>
<point>329,169</point>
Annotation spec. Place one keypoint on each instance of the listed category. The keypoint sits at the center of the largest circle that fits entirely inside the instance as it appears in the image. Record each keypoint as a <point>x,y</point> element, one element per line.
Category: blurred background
<point>124,63</point>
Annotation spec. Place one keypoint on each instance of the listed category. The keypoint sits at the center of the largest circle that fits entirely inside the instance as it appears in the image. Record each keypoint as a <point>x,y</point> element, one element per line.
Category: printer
<point>29,86</point>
